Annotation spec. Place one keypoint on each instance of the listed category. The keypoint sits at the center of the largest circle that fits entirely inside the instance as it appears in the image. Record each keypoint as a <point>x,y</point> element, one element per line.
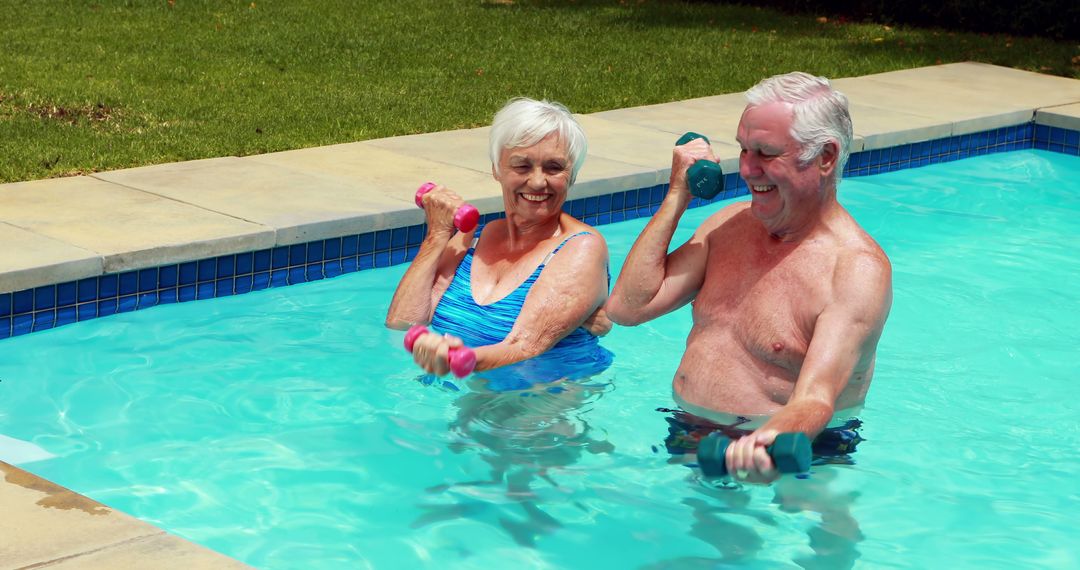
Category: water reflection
<point>525,437</point>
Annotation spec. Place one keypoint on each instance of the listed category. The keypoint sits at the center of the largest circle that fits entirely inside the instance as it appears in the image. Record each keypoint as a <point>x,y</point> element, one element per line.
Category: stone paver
<point>42,523</point>
<point>1063,116</point>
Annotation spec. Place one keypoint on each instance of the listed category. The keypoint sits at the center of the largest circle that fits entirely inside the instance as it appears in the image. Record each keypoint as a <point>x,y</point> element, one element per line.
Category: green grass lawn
<point>90,86</point>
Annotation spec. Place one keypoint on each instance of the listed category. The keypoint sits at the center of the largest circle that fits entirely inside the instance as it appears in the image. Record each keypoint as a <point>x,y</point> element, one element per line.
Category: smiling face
<point>534,179</point>
<point>786,194</point>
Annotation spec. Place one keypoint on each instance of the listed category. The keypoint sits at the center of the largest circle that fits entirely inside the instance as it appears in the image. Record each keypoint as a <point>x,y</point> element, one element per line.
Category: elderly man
<point>789,294</point>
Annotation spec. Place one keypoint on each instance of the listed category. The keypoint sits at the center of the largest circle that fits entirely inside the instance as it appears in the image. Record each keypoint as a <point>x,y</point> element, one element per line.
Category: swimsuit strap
<point>556,250</point>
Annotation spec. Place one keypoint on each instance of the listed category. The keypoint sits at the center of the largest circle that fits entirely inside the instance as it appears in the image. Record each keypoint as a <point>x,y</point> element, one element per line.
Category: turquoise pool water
<point>287,428</point>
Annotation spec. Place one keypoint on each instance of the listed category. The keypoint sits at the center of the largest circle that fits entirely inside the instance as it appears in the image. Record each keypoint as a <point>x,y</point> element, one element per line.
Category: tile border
<point>41,308</point>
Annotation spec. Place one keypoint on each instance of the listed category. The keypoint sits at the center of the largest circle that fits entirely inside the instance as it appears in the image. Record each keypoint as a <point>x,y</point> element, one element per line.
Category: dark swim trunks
<point>832,446</point>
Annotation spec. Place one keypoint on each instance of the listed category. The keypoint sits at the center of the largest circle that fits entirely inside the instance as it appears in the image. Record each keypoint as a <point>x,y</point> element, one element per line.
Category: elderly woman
<point>534,283</point>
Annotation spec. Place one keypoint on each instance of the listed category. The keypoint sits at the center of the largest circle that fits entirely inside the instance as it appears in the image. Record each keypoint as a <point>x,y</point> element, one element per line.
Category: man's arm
<point>845,339</point>
<point>652,282</point>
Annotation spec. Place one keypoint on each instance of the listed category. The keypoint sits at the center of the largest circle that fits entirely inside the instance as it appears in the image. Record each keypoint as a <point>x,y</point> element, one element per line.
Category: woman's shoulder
<point>573,226</point>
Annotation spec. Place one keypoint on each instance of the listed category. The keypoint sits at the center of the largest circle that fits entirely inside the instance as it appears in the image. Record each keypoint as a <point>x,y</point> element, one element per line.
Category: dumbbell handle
<point>790,452</point>
<point>465,217</point>
<point>704,177</point>
<point>462,359</point>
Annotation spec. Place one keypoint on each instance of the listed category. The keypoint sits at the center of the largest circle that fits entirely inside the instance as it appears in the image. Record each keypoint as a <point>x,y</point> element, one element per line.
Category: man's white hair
<point>820,113</point>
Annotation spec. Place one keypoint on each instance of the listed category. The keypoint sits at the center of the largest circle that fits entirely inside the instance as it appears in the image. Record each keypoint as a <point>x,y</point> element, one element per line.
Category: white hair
<point>820,113</point>
<point>524,122</point>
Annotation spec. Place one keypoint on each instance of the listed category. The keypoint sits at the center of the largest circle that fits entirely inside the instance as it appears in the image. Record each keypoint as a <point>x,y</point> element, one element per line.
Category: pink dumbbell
<point>462,359</point>
<point>465,218</point>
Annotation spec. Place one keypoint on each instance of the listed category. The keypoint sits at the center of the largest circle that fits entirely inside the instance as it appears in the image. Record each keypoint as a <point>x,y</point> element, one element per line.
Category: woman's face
<point>535,179</point>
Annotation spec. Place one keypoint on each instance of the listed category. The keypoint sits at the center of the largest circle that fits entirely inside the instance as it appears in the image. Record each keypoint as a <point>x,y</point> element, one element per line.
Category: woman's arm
<point>431,271</point>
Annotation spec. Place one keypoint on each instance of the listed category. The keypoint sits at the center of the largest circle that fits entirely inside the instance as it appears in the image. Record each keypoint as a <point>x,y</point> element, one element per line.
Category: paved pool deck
<point>65,229</point>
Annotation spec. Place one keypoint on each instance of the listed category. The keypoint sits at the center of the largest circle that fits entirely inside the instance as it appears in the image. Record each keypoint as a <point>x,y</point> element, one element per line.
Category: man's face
<point>785,194</point>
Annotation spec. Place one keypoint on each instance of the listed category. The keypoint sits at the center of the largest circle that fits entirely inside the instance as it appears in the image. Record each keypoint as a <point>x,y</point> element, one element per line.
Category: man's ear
<point>829,158</point>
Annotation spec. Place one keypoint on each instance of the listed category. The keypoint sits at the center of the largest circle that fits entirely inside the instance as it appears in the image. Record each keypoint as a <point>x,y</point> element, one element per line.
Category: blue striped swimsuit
<point>577,355</point>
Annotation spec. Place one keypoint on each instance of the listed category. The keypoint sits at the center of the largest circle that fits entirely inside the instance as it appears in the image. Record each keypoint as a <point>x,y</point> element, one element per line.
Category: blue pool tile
<point>411,252</point>
<point>1056,147</point>
<point>167,296</point>
<point>382,240</point>
<point>44,320</point>
<point>332,268</point>
<point>87,290</point>
<point>106,307</point>
<point>315,251</point>
<point>618,216</point>
<point>398,237</point>
<point>656,194</point>
<point>5,304</point>
<point>366,243</point>
<point>297,275</point>
<point>280,256</point>
<point>187,293</point>
<point>297,254</point>
<point>604,218</point>
<point>591,220</point>
<point>148,279</point>
<point>226,266</point>
<point>397,256</point>
<point>65,294</point>
<point>243,284</point>
<point>332,249</point>
<point>87,311</point>
<point>129,283</point>
<point>577,208</point>
<point>603,204</point>
<point>349,264</point>
<point>189,273</point>
<point>168,276</point>
<point>260,281</point>
<point>1057,135</point>
<point>126,304</point>
<point>313,272</point>
<point>245,263</point>
<point>382,259</point>
<point>5,327</point>
<point>366,261</point>
<point>1072,138</point>
<point>1042,144</point>
<point>207,270</point>
<point>617,201</point>
<point>279,277</point>
<point>205,290</point>
<point>416,234</point>
<point>590,205</point>
<point>21,324</point>
<point>45,297</point>
<point>223,287</point>
<point>350,245</point>
<point>146,300</point>
<point>261,261</point>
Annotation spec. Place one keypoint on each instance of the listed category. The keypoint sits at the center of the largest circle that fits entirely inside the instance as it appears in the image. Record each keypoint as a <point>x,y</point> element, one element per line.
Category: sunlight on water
<point>289,429</point>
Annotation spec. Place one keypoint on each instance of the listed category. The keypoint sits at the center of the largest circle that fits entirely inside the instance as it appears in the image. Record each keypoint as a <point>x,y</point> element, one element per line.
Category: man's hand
<point>598,323</point>
<point>749,462</point>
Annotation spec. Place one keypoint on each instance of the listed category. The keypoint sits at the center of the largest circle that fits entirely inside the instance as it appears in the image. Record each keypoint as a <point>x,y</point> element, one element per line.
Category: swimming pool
<point>287,428</point>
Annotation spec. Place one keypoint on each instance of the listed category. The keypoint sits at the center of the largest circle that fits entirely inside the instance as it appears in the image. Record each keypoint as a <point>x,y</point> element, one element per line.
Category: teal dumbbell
<point>705,178</point>
<point>789,451</point>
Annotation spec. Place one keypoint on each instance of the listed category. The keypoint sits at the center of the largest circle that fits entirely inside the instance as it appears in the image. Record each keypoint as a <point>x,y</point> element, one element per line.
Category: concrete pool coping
<point>65,229</point>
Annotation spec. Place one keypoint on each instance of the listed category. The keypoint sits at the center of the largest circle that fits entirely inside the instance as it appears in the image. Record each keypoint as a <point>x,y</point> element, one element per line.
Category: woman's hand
<point>431,352</point>
<point>440,205</point>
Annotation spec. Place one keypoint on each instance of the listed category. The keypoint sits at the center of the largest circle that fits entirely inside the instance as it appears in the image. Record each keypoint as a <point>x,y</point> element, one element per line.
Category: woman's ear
<point>494,173</point>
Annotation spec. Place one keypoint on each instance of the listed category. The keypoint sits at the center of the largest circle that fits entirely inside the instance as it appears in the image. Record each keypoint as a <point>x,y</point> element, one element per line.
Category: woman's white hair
<point>820,113</point>
<point>524,122</point>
